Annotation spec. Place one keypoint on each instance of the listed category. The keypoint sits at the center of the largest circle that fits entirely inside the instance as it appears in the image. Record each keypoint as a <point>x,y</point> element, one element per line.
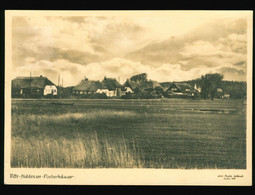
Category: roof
<point>166,85</point>
<point>110,84</point>
<point>31,82</point>
<point>182,87</point>
<point>87,85</point>
<point>219,90</point>
<point>154,84</point>
<point>141,85</point>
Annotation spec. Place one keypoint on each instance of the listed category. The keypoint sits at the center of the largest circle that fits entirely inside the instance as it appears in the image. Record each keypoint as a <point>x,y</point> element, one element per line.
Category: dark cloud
<point>232,70</point>
<point>240,63</point>
<point>208,46</point>
<point>116,31</point>
<point>52,54</point>
<point>234,74</point>
<point>99,48</point>
<point>81,19</point>
<point>124,27</point>
<point>76,56</point>
<point>76,19</point>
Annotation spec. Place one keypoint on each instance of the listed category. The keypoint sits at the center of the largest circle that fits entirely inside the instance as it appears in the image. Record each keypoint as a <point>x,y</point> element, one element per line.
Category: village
<point>136,87</point>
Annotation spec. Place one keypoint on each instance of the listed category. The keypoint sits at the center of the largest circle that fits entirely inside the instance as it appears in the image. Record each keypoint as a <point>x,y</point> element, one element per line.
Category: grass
<point>170,133</point>
<point>79,152</point>
<point>47,142</point>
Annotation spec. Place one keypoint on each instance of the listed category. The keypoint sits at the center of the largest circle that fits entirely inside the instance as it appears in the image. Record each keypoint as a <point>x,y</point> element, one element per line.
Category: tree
<point>209,85</point>
<point>139,77</point>
<point>159,91</point>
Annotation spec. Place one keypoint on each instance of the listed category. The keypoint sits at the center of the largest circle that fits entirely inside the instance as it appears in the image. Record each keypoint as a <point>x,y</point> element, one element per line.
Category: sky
<point>175,46</point>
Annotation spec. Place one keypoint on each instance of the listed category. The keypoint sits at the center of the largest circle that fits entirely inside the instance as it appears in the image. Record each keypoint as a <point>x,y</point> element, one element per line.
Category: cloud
<point>73,73</point>
<point>232,73</point>
<point>76,19</point>
<point>212,45</point>
<point>201,48</point>
<point>123,46</point>
<point>92,37</point>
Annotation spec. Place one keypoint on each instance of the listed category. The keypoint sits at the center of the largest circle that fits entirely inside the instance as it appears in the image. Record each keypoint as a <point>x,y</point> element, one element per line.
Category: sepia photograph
<point>128,95</point>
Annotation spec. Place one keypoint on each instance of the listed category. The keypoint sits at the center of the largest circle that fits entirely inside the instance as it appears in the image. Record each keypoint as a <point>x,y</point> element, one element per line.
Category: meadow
<point>163,133</point>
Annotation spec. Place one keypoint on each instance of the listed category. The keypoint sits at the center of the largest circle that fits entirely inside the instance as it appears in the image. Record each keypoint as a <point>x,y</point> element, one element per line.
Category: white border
<point>125,176</point>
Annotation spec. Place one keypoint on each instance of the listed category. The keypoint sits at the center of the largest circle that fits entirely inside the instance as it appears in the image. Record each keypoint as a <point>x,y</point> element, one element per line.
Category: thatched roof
<point>182,87</point>
<point>166,85</point>
<point>31,82</point>
<point>87,85</point>
<point>141,85</point>
<point>110,84</point>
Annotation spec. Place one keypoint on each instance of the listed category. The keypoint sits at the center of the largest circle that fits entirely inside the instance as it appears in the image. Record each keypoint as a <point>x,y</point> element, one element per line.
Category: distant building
<point>165,85</point>
<point>181,90</point>
<point>86,87</point>
<point>111,87</point>
<point>226,96</point>
<point>128,90</point>
<point>219,93</point>
<point>50,89</point>
<point>141,85</point>
<point>35,86</point>
<point>197,88</point>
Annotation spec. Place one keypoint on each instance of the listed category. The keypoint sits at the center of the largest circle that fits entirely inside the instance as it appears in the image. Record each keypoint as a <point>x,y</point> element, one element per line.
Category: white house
<point>111,87</point>
<point>197,88</point>
<point>38,86</point>
<point>50,89</point>
<point>107,92</point>
<point>128,90</point>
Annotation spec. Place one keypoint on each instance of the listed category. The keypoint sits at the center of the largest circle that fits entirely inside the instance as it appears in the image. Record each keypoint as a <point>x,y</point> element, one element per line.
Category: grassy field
<point>167,133</point>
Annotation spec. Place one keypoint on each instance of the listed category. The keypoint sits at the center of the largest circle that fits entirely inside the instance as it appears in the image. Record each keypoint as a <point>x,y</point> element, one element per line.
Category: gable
<point>86,85</point>
<point>181,87</point>
<point>110,84</point>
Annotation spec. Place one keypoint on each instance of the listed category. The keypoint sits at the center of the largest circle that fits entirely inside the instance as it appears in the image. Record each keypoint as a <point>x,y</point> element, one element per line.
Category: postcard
<point>129,97</point>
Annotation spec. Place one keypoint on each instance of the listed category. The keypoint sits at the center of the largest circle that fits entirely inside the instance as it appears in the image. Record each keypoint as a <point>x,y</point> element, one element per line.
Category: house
<point>86,87</point>
<point>128,90</point>
<point>35,86</point>
<point>181,90</point>
<point>197,88</point>
<point>111,87</point>
<point>50,89</point>
<point>141,85</point>
<point>226,96</point>
<point>165,85</point>
<point>219,93</point>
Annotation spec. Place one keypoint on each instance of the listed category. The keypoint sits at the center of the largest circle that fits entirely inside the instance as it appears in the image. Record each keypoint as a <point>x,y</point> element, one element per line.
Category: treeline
<point>236,90</point>
<point>144,88</point>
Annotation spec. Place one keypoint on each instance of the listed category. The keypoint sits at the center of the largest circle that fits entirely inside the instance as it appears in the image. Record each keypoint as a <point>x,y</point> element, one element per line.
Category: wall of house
<point>50,89</point>
<point>174,88</point>
<point>108,93</point>
<point>128,90</point>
